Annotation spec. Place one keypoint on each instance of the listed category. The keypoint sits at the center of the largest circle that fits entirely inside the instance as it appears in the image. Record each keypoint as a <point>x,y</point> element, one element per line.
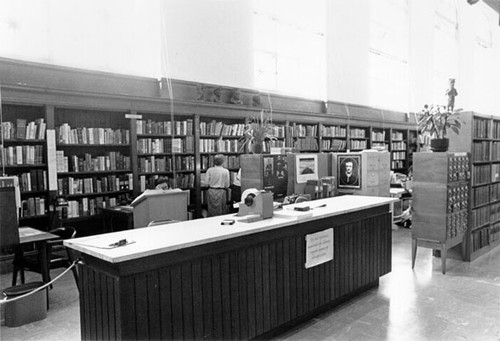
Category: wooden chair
<point>59,256</point>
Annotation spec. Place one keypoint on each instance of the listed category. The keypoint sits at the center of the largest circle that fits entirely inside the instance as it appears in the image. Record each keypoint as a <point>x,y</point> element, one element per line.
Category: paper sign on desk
<point>319,248</point>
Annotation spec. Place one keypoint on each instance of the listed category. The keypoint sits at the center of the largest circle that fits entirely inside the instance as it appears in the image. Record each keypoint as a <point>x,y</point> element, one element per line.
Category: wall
<point>210,41</point>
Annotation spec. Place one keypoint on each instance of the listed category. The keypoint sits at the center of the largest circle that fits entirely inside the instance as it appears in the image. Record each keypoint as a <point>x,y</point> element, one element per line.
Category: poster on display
<point>349,171</point>
<point>276,175</point>
<point>307,167</point>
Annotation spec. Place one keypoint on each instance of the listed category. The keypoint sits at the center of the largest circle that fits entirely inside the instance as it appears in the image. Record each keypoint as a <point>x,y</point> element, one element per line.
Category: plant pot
<point>440,145</point>
<point>257,148</point>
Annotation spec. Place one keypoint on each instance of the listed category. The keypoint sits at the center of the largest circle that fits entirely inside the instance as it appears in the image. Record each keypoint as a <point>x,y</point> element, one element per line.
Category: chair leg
<point>22,275</point>
<point>14,276</point>
<point>413,251</point>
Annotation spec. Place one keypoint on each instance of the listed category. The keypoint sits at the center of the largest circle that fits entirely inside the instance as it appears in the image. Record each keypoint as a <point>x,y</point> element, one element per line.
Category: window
<point>290,47</point>
<point>388,76</point>
<point>445,48</point>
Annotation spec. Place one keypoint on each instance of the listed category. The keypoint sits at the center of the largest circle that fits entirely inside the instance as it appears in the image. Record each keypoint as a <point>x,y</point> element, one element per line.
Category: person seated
<point>162,183</point>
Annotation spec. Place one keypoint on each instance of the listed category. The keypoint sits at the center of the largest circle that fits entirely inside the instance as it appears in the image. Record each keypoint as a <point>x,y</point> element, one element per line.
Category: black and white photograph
<point>349,171</point>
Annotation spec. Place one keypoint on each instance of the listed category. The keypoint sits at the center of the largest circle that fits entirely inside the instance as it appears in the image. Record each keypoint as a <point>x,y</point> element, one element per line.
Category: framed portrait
<point>307,167</point>
<point>276,175</point>
<point>349,171</point>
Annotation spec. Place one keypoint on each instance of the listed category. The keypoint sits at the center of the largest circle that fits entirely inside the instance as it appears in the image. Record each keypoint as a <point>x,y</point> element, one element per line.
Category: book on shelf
<point>21,128</point>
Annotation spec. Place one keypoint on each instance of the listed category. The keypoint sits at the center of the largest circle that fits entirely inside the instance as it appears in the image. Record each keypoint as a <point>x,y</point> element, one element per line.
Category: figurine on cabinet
<point>451,93</point>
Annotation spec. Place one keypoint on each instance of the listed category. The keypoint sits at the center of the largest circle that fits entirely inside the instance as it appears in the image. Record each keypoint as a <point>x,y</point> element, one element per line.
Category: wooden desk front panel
<point>238,289</point>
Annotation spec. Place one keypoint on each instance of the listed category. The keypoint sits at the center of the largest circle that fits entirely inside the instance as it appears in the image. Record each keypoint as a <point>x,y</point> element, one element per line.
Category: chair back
<point>66,232</point>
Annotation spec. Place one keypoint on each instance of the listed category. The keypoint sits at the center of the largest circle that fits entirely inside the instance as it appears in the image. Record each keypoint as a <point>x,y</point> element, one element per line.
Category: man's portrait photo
<point>349,171</point>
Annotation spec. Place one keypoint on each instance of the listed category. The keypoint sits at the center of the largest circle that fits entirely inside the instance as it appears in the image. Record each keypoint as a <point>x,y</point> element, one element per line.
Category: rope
<point>5,300</point>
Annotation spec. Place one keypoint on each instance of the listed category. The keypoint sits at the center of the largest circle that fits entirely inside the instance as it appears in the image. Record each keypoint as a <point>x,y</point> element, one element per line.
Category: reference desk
<point>199,279</point>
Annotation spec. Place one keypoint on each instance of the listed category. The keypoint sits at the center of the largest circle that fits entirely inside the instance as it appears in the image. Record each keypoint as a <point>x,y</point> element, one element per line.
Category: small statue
<point>236,96</point>
<point>256,100</point>
<point>200,89</point>
<point>451,93</point>
<point>217,95</point>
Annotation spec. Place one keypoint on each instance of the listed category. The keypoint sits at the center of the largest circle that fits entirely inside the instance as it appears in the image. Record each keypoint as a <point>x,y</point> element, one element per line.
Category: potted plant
<point>437,121</point>
<point>257,131</point>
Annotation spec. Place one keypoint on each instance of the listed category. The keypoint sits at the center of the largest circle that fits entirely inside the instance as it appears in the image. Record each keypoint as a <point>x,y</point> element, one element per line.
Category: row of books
<point>378,136</point>
<point>22,155</point>
<point>230,162</point>
<point>83,135</point>
<point>166,164</point>
<point>150,127</point>
<point>480,216</point>
<point>95,184</point>
<point>220,146</point>
<point>217,128</point>
<point>481,174</point>
<point>494,233</point>
<point>480,195</point>
<point>481,151</point>
<point>88,163</point>
<point>308,143</point>
<point>480,239</point>
<point>397,164</point>
<point>183,181</point>
<point>495,151</point>
<point>34,180</point>
<point>480,128</point>
<point>496,130</point>
<point>33,207</point>
<point>458,198</point>
<point>401,145</point>
<point>334,131</point>
<point>398,155</point>
<point>458,168</point>
<point>495,212</point>
<point>301,130</point>
<point>495,192</point>
<point>397,136</point>
<point>89,206</point>
<point>166,145</point>
<point>457,224</point>
<point>358,144</point>
<point>357,133</point>
<point>334,145</point>
<point>24,130</point>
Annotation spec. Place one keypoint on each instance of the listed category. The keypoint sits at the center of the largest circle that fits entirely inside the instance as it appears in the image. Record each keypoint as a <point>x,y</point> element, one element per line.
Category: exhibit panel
<point>255,284</point>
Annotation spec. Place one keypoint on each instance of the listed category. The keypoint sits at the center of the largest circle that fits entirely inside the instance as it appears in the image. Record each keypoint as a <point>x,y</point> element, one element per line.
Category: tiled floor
<point>411,305</point>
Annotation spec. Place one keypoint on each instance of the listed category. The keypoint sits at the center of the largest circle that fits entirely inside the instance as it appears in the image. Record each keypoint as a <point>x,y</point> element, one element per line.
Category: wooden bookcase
<point>441,202</point>
<point>304,137</point>
<point>23,153</point>
<point>333,138</point>
<point>380,138</point>
<point>93,165</point>
<point>359,138</point>
<point>480,135</point>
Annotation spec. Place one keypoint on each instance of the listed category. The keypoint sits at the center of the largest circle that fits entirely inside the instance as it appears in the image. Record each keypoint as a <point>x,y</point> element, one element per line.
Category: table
<point>30,235</point>
<point>199,279</point>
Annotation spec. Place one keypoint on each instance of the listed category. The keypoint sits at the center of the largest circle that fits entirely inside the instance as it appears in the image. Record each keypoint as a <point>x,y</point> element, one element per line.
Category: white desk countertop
<point>169,237</point>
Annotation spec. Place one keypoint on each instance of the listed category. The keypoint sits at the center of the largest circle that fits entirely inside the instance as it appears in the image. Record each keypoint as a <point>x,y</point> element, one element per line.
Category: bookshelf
<point>380,138</point>
<point>165,148</point>
<point>333,138</point>
<point>359,138</point>
<point>304,137</point>
<point>481,136</point>
<point>441,202</point>
<point>93,165</point>
<point>399,149</point>
<point>23,153</point>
